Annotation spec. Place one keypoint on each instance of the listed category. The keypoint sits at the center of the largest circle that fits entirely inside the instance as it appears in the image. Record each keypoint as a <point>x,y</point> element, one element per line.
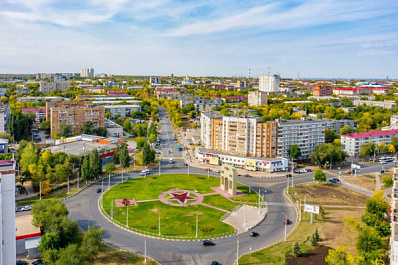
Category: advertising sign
<point>355,167</point>
<point>311,208</point>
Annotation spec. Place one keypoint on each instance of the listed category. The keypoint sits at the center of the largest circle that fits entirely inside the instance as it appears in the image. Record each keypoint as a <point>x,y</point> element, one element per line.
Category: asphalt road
<point>84,210</point>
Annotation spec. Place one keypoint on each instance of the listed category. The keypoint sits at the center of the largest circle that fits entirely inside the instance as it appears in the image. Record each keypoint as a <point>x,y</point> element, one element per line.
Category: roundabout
<point>175,206</point>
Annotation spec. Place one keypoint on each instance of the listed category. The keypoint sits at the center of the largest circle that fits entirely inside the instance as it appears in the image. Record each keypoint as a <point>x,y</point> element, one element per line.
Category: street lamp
<point>285,224</point>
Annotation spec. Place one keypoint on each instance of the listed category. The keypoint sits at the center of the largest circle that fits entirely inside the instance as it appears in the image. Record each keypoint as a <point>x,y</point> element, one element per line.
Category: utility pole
<point>285,224</point>
<point>188,168</point>
<point>160,162</point>
<point>109,181</point>
<point>112,209</point>
<point>197,216</point>
<point>127,216</point>
<point>259,198</point>
<point>122,174</point>
<point>159,224</point>
<point>68,185</point>
<point>78,180</point>
<point>40,190</point>
<point>237,251</point>
<point>145,249</point>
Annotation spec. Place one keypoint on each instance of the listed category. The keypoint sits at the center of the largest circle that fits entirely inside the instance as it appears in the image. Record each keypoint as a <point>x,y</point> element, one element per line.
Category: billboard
<point>213,160</point>
<point>251,164</point>
<point>311,208</point>
<point>355,167</point>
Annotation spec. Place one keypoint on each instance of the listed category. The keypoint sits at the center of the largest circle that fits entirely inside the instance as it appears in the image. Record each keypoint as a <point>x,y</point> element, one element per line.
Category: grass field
<point>365,181</point>
<point>331,229</point>
<point>113,256</point>
<point>175,221</point>
<point>383,176</point>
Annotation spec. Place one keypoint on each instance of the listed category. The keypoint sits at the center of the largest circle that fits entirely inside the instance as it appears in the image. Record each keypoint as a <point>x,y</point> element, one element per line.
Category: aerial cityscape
<point>185,132</point>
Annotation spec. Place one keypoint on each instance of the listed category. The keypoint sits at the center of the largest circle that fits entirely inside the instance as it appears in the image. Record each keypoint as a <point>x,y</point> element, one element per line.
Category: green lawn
<point>220,202</point>
<point>249,197</point>
<point>174,221</point>
<point>151,186</point>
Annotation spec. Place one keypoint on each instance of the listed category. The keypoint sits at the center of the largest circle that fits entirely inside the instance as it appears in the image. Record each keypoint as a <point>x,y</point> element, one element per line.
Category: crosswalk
<point>284,204</point>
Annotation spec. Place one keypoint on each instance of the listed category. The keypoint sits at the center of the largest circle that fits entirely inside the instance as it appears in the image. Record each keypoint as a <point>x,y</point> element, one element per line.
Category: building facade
<point>4,116</point>
<point>121,110</point>
<point>76,117</point>
<point>336,125</point>
<point>65,104</point>
<point>352,142</point>
<point>306,133</point>
<point>269,83</point>
<point>47,87</point>
<point>322,91</point>
<point>257,98</point>
<point>381,104</point>
<point>85,72</point>
<point>7,213</point>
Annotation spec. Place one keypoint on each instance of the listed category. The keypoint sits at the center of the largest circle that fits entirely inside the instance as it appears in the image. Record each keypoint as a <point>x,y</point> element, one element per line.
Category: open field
<point>112,256</point>
<point>327,194</point>
<point>331,229</point>
<point>365,181</point>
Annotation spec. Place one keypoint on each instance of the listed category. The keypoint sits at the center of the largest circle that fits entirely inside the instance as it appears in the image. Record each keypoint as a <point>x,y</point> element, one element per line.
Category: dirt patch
<point>155,210</point>
<point>313,257</point>
<point>365,181</point>
<point>327,194</point>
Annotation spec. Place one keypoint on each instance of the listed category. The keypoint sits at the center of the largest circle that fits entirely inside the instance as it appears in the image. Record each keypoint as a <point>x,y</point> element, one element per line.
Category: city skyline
<point>323,39</point>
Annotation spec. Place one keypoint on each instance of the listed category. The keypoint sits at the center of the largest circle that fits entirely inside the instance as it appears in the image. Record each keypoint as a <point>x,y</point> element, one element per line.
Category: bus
<point>179,148</point>
<point>384,160</point>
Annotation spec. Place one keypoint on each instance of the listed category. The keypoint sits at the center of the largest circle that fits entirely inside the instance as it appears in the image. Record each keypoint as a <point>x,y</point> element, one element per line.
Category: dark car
<point>254,234</point>
<point>289,175</point>
<point>308,170</point>
<point>247,176</point>
<point>207,243</point>
<point>185,164</point>
<point>21,262</point>
<point>38,262</point>
<point>286,221</point>
<point>336,179</point>
<point>99,190</point>
<point>128,178</point>
<point>215,263</point>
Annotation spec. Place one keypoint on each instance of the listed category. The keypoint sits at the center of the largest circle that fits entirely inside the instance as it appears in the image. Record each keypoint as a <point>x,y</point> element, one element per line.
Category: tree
<point>19,125</point>
<point>116,155</point>
<point>45,126</point>
<point>152,138</point>
<point>152,129</point>
<point>327,152</point>
<point>388,182</point>
<point>92,243</point>
<point>377,204</point>
<point>95,164</point>
<point>346,130</point>
<point>341,256</point>
<point>29,156</point>
<point>330,136</point>
<point>124,157</point>
<point>193,114</point>
<point>370,245</point>
<point>86,172</point>
<point>101,131</point>
<point>140,141</point>
<point>391,148</point>
<point>88,127</point>
<point>296,249</point>
<point>319,175</point>
<point>45,187</point>
<point>382,148</point>
<point>367,149</point>
<point>62,172</point>
<point>294,151</point>
<point>188,108</point>
<point>70,255</point>
<point>394,141</point>
<point>148,154</point>
<point>65,129</point>
<point>109,167</point>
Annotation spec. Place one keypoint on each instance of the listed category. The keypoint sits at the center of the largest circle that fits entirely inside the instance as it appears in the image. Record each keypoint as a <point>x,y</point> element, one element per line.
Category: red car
<point>247,176</point>
<point>286,221</point>
<point>207,169</point>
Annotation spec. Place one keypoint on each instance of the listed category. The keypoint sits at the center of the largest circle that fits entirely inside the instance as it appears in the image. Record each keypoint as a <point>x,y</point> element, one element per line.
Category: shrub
<point>388,182</point>
<point>296,249</point>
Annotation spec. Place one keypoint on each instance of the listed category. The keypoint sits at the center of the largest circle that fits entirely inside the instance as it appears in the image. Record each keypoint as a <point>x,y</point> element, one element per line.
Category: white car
<point>216,170</point>
<point>144,172</point>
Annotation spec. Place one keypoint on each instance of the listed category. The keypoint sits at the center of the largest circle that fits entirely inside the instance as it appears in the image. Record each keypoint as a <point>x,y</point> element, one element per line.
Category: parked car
<point>216,170</point>
<point>254,234</point>
<point>26,208</point>
<point>238,175</point>
<point>308,170</point>
<point>128,178</point>
<point>332,180</point>
<point>185,164</point>
<point>21,262</point>
<point>207,243</point>
<point>286,221</point>
<point>37,138</point>
<point>215,263</point>
<point>144,172</point>
<point>298,171</point>
<point>348,171</point>
<point>206,169</point>
<point>99,190</point>
<point>336,179</point>
<point>289,175</point>
<point>38,262</point>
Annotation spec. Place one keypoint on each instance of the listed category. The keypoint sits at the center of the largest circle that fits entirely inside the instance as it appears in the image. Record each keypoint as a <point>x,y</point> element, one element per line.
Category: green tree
<point>148,154</point>
<point>65,129</point>
<point>109,167</point>
<point>152,138</point>
<point>124,157</point>
<point>394,141</point>
<point>62,172</point>
<point>346,130</point>
<point>101,131</point>
<point>370,245</point>
<point>152,129</point>
<point>140,141</point>
<point>330,136</point>
<point>327,152</point>
<point>388,182</point>
<point>86,172</point>
<point>116,155</point>
<point>29,156</point>
<point>341,256</point>
<point>92,243</point>
<point>377,204</point>
<point>19,125</point>
<point>95,163</point>
<point>319,175</point>
<point>70,255</point>
<point>45,126</point>
<point>382,148</point>
<point>296,249</point>
<point>294,151</point>
<point>367,149</point>
<point>88,128</point>
<point>193,114</point>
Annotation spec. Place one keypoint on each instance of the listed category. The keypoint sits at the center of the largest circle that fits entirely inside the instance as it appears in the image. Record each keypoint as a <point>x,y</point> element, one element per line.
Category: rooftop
<point>23,224</point>
<point>371,134</point>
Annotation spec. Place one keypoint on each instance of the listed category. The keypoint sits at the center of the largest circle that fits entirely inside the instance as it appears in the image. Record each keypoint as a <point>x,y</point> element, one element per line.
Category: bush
<point>313,240</point>
<point>319,175</point>
<point>207,229</point>
<point>296,249</point>
<point>109,167</point>
<point>388,182</point>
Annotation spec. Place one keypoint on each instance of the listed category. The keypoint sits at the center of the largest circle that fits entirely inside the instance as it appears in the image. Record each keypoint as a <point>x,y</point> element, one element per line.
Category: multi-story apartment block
<point>76,117</point>
<point>201,103</point>
<point>47,87</point>
<point>257,98</point>
<point>394,220</point>
<point>121,110</point>
<point>4,116</point>
<point>239,135</point>
<point>352,142</point>
<point>336,125</point>
<point>269,83</point>
<point>154,80</point>
<point>7,213</point>
<point>381,104</point>
<point>306,133</point>
<point>322,91</point>
<point>65,104</point>
<point>85,72</point>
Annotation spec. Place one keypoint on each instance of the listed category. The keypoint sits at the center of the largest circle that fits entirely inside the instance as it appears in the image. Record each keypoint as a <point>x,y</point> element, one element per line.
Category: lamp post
<point>237,251</point>
<point>40,190</point>
<point>285,224</point>
<point>68,185</point>
<point>109,181</point>
<point>145,249</point>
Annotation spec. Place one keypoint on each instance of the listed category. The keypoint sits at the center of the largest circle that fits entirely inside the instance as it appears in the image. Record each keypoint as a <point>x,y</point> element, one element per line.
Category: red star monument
<point>181,197</point>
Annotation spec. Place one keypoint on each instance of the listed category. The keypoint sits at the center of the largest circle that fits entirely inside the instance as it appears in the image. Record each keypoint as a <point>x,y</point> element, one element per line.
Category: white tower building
<point>269,83</point>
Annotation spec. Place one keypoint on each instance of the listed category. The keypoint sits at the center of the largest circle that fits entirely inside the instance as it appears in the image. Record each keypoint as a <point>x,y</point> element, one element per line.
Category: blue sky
<point>319,38</point>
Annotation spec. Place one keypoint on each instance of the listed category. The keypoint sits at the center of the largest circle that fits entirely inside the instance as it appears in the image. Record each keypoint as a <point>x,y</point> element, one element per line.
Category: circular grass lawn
<point>174,221</point>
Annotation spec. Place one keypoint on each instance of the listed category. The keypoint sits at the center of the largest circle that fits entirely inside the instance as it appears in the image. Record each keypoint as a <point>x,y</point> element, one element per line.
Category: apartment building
<point>65,104</point>
<point>47,87</point>
<point>269,83</point>
<point>257,98</point>
<point>76,116</point>
<point>394,221</point>
<point>4,116</point>
<point>7,212</point>
<point>201,103</point>
<point>306,133</point>
<point>85,72</point>
<point>154,80</point>
<point>336,125</point>
<point>239,135</point>
<point>381,104</point>
<point>121,110</point>
<point>322,91</point>
<point>352,142</point>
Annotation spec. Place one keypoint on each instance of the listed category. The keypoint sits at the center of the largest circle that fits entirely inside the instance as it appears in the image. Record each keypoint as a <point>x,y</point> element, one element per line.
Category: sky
<point>318,38</point>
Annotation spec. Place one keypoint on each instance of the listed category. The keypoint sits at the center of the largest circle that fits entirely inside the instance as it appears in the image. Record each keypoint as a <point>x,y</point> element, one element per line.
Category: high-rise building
<point>306,133</point>
<point>322,91</point>
<point>85,72</point>
<point>154,80</point>
<point>269,83</point>
<point>75,116</point>
<point>47,87</point>
<point>239,135</point>
<point>7,213</point>
<point>257,98</point>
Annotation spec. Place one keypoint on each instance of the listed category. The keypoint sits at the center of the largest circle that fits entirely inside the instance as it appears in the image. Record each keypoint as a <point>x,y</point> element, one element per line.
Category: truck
<point>179,148</point>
